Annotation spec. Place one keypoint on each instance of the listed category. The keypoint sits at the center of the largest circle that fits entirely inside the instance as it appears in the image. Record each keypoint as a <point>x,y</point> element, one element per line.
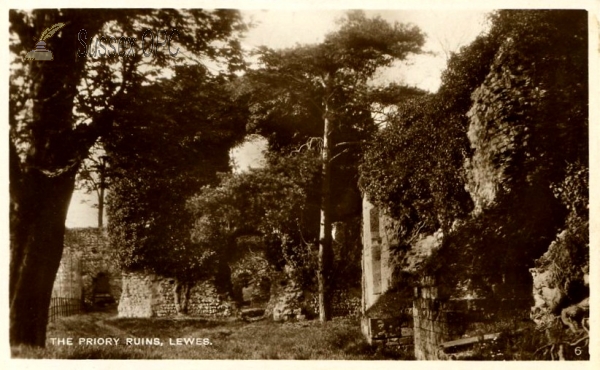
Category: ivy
<point>479,158</point>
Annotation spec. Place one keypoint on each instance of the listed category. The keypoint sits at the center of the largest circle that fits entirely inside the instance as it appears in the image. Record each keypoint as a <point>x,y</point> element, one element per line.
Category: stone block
<point>385,328</point>
<point>407,332</point>
<point>406,340</point>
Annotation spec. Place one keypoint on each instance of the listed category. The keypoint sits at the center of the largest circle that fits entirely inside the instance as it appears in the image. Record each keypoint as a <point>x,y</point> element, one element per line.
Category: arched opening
<point>101,290</point>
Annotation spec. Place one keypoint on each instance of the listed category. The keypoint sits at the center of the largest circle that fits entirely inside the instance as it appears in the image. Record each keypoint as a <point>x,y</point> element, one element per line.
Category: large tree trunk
<point>44,159</point>
<point>45,152</point>
<point>38,213</point>
<point>325,240</point>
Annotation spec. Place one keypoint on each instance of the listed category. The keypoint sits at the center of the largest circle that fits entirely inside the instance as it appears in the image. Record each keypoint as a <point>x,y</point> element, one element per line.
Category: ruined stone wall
<point>86,255</point>
<point>68,282</point>
<point>291,302</point>
<point>389,332</point>
<point>387,317</point>
<point>440,317</point>
<point>430,322</point>
<point>377,262</point>
<point>398,317</point>
<point>149,295</point>
<point>343,304</point>
<point>286,300</point>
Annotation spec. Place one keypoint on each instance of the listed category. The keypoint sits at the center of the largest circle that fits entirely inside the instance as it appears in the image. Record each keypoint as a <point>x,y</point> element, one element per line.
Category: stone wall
<point>148,295</point>
<point>390,332</point>
<point>387,319</point>
<point>430,322</point>
<point>87,256</point>
<point>440,317</point>
<point>389,322</point>
<point>558,286</point>
<point>287,300</point>
<point>68,281</point>
<point>344,303</point>
<point>377,262</point>
<point>291,302</point>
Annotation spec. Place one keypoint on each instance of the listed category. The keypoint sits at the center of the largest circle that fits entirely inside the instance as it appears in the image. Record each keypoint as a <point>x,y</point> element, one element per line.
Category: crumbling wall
<point>68,282</point>
<point>344,303</point>
<point>377,263</point>
<point>395,332</point>
<point>286,300</point>
<point>430,321</point>
<point>86,255</point>
<point>387,317</point>
<point>560,290</point>
<point>289,301</point>
<point>149,295</point>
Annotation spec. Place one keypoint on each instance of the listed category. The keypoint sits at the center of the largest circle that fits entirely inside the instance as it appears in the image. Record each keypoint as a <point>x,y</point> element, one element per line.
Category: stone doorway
<point>101,295</point>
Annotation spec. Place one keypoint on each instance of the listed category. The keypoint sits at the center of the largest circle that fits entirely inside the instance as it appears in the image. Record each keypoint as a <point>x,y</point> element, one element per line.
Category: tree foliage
<point>270,203</point>
<point>413,168</point>
<point>318,92</point>
<point>169,143</point>
<point>288,93</point>
<point>94,176</point>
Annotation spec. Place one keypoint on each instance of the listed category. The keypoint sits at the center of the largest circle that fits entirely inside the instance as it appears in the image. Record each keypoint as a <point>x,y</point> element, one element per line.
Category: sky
<point>446,32</point>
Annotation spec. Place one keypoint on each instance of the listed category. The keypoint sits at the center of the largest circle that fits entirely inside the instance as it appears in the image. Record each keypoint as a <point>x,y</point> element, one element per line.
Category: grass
<point>339,339</point>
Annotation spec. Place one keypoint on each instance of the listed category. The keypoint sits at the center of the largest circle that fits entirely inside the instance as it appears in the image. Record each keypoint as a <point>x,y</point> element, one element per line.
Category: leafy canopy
<point>170,142</point>
<point>270,203</point>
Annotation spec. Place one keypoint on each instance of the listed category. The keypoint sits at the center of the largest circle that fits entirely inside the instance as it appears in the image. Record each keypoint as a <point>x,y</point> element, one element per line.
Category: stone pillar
<point>430,322</point>
<point>378,236</point>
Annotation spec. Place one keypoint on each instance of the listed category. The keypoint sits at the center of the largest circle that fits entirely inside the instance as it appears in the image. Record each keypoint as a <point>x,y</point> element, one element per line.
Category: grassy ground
<point>339,339</point>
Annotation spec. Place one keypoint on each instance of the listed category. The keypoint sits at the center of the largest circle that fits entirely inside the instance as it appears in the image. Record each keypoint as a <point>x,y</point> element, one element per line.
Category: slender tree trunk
<point>181,295</point>
<point>325,240</point>
<point>101,204</point>
<point>38,217</point>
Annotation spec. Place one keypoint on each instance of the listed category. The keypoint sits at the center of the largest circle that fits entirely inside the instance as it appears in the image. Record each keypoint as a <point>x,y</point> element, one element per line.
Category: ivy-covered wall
<point>491,171</point>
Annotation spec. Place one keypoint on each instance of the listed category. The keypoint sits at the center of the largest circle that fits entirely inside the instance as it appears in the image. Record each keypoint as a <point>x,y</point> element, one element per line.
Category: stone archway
<point>101,292</point>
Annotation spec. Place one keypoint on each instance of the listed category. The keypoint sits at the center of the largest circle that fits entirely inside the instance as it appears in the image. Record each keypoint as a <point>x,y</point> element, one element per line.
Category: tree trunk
<point>223,282</point>
<point>325,248</point>
<point>38,214</point>
<point>101,205</point>
<point>45,153</point>
<point>181,295</point>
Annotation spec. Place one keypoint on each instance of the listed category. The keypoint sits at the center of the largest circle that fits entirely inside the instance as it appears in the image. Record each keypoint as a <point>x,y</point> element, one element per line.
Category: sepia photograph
<point>278,183</point>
